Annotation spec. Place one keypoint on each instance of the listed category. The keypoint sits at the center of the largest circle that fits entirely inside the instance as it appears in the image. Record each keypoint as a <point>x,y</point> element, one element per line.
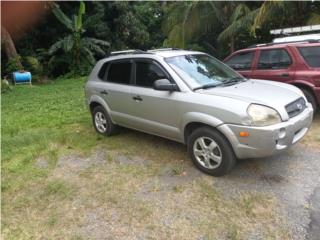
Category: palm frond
<point>313,19</point>
<point>240,11</point>
<point>97,41</point>
<point>62,17</point>
<point>268,11</point>
<point>68,43</point>
<point>243,23</point>
<point>186,21</point>
<point>56,46</point>
<point>94,47</point>
<point>175,37</point>
<point>89,55</point>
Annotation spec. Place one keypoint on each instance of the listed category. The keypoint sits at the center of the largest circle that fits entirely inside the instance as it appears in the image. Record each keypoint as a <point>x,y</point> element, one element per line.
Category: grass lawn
<point>60,180</point>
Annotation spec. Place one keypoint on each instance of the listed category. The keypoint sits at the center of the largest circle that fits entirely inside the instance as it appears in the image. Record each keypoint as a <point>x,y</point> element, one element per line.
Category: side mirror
<point>164,85</point>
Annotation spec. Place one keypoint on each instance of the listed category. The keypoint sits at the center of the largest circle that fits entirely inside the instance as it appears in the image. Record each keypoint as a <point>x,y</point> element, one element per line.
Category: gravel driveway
<point>292,177</point>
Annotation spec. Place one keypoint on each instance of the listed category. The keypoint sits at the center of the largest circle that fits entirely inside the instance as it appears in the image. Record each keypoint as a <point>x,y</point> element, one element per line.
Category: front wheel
<point>211,152</point>
<point>310,97</point>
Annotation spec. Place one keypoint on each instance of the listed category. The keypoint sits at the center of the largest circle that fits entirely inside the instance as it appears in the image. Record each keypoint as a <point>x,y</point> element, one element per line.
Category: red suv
<point>295,63</point>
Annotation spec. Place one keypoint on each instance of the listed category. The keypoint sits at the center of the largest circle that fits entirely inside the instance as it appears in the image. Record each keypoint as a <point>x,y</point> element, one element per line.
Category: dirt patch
<point>290,177</point>
<point>70,166</point>
<point>314,225</point>
<point>122,159</point>
<point>159,186</point>
<point>122,197</point>
<point>42,162</point>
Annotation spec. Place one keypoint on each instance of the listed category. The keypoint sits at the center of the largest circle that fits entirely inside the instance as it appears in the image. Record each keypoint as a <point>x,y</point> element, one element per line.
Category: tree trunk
<point>8,45</point>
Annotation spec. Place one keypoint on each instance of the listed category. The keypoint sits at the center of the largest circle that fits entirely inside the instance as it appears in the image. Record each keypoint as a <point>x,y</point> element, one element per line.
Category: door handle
<point>137,98</point>
<point>284,75</point>
<point>104,92</point>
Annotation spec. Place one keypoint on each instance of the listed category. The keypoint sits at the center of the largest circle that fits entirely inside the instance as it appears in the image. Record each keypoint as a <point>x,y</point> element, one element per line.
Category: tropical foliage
<point>78,50</point>
<point>66,42</point>
<point>233,24</point>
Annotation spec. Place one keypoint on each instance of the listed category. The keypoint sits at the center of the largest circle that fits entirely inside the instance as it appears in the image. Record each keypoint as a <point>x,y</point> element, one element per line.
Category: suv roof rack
<point>129,51</point>
<point>278,43</point>
<point>162,49</point>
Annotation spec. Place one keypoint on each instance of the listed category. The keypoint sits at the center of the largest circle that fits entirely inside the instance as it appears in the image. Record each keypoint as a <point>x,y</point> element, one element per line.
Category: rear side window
<point>147,73</point>
<point>241,61</point>
<point>103,72</point>
<point>119,72</point>
<point>311,55</point>
<point>274,59</point>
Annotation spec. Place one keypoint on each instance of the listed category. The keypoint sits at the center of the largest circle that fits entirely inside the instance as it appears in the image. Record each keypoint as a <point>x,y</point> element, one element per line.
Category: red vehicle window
<point>241,61</point>
<point>311,55</point>
<point>274,59</point>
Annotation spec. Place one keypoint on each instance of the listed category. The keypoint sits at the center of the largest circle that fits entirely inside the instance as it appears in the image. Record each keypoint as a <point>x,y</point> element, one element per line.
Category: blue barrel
<point>22,77</point>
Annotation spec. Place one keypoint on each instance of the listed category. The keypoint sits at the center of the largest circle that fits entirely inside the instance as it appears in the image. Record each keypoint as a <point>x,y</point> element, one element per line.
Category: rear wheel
<point>210,151</point>
<point>310,97</point>
<point>102,121</point>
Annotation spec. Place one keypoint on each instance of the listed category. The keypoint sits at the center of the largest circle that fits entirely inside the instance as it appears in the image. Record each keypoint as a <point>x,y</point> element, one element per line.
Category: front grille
<point>296,107</point>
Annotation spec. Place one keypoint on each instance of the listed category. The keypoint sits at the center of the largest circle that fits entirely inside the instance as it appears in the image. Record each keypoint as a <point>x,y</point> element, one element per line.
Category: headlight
<point>263,116</point>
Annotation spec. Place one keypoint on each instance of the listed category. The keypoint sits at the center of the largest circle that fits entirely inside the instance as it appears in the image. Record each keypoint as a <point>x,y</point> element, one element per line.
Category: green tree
<point>189,21</point>
<point>282,14</point>
<point>78,51</point>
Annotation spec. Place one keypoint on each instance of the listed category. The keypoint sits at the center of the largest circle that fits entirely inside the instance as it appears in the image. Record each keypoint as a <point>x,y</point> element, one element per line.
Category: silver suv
<point>193,98</point>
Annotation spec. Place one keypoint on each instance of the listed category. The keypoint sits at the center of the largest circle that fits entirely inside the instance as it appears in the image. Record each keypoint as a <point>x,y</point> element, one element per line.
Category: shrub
<point>14,64</point>
<point>5,86</point>
<point>33,65</point>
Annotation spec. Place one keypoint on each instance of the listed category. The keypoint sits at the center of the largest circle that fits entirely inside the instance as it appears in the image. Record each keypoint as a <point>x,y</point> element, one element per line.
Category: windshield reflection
<point>202,70</point>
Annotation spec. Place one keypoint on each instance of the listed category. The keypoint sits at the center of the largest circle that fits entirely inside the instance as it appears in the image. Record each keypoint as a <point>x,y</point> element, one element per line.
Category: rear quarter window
<point>103,72</point>
<point>311,55</point>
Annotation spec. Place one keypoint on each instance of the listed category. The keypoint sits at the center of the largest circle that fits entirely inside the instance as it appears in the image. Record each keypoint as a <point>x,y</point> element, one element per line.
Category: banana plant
<point>75,45</point>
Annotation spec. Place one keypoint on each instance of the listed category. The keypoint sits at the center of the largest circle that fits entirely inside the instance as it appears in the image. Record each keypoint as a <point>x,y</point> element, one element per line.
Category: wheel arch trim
<point>197,118</point>
<point>99,100</point>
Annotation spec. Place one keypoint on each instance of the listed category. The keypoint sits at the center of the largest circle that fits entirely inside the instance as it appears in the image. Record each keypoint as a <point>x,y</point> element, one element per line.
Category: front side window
<point>274,59</point>
<point>202,71</point>
<point>147,73</point>
<point>119,72</point>
<point>241,61</point>
<point>311,55</point>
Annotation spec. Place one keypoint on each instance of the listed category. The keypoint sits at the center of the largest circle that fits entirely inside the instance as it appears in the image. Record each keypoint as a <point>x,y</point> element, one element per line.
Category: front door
<point>242,62</point>
<point>154,111</point>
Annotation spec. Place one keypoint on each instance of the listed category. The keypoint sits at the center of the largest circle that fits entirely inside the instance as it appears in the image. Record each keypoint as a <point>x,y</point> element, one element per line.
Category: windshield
<point>202,71</point>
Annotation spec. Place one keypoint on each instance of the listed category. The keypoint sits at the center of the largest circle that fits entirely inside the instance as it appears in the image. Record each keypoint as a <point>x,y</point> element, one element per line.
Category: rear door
<point>274,64</point>
<point>115,88</point>
<point>242,62</point>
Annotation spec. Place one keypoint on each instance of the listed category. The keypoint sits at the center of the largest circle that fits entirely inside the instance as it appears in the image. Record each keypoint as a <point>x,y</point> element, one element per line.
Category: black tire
<point>109,127</point>
<point>228,159</point>
<point>310,97</point>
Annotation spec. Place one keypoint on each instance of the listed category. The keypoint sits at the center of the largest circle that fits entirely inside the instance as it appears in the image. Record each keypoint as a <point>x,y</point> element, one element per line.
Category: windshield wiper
<point>206,86</point>
<point>234,80</point>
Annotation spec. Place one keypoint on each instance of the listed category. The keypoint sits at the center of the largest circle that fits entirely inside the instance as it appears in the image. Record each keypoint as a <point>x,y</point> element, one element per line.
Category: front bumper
<point>268,140</point>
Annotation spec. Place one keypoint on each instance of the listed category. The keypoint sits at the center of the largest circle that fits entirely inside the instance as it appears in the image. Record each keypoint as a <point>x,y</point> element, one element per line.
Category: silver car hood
<point>274,94</point>
<point>264,92</point>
